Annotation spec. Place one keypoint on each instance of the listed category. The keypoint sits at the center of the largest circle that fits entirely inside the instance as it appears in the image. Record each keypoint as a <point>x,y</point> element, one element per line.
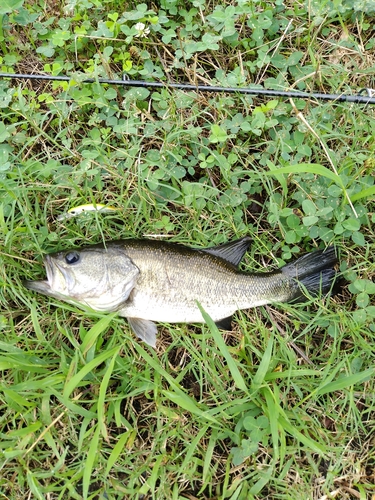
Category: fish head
<point>101,278</point>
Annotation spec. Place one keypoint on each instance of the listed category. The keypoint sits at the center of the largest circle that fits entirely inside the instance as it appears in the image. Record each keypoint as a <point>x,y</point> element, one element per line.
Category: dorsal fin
<point>232,252</point>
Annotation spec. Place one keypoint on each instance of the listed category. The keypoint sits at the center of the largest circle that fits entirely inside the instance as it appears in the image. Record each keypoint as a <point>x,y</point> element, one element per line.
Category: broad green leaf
<point>362,299</point>
<point>359,238</point>
<point>351,224</point>
<point>4,134</point>
<point>7,6</point>
<point>218,134</point>
<point>309,207</point>
<point>310,220</point>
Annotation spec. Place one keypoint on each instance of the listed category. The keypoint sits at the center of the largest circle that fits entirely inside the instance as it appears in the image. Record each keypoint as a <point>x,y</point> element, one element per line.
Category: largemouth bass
<point>148,281</point>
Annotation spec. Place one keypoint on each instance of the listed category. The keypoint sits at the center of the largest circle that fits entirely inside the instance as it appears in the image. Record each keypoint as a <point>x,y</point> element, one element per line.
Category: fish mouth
<point>45,287</point>
<point>38,286</point>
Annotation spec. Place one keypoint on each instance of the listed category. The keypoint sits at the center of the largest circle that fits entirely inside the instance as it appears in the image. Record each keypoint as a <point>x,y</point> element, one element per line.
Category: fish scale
<point>168,288</point>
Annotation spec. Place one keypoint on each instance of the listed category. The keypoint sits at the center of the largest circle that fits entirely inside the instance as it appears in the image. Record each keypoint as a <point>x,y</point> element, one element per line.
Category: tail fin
<point>314,271</point>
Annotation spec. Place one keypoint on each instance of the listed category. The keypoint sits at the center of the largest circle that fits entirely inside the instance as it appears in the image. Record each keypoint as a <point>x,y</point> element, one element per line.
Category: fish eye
<point>72,257</point>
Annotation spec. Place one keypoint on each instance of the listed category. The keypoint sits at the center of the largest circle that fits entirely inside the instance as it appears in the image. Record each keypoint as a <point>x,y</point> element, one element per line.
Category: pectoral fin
<point>144,329</point>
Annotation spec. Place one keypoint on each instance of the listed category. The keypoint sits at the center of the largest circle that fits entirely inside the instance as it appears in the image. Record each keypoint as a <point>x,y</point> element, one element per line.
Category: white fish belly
<point>157,309</point>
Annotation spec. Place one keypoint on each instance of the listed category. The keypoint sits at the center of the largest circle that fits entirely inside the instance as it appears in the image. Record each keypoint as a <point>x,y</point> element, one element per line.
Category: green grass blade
<point>293,431</point>
<point>233,368</point>
<point>184,401</point>
<point>177,395</point>
<point>192,448</point>
<point>35,487</point>
<point>365,193</point>
<point>261,373</point>
<point>76,379</point>
<point>102,393</point>
<point>208,455</point>
<point>25,431</point>
<point>23,362</point>
<point>345,382</point>
<point>279,177</point>
<point>117,450</point>
<point>273,417</point>
<point>92,456</point>
<point>36,325</point>
<point>155,364</point>
<point>265,477</point>
<point>311,168</point>
<point>13,396</point>
<point>156,472</point>
<point>293,373</point>
<point>94,332</point>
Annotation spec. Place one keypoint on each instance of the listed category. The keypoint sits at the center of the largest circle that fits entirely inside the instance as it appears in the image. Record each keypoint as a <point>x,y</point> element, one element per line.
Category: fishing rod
<point>356,98</point>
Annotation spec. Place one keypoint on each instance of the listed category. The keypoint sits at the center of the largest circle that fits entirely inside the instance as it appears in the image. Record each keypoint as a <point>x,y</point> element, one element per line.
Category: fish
<point>151,281</point>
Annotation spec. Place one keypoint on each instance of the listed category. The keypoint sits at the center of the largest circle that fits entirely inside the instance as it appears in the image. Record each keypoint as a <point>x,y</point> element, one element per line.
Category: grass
<point>282,407</point>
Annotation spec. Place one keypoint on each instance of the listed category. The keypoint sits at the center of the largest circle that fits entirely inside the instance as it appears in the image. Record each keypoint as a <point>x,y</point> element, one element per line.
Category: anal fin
<point>225,323</point>
<point>144,329</point>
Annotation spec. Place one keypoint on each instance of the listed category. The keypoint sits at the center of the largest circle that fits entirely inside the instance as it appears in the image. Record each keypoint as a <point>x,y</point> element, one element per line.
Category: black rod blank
<point>358,98</point>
